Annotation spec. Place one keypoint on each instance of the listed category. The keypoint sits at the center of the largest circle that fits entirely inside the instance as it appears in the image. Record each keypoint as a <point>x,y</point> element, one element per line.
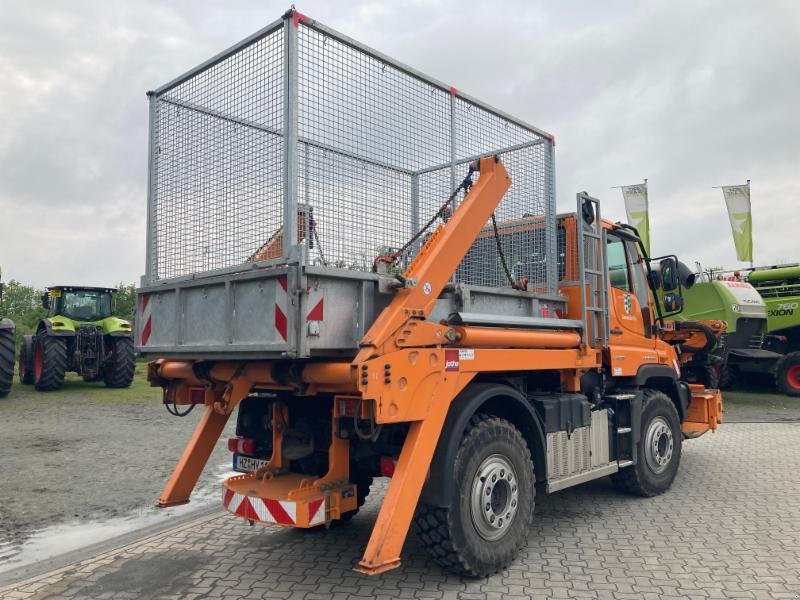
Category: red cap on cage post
<point>298,17</point>
<point>453,91</point>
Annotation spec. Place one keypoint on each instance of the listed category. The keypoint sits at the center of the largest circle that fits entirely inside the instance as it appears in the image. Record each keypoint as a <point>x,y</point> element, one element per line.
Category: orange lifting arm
<point>440,256</point>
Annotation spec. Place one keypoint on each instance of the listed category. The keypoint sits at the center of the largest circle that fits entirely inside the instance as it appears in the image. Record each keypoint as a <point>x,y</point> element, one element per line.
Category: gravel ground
<point>90,454</point>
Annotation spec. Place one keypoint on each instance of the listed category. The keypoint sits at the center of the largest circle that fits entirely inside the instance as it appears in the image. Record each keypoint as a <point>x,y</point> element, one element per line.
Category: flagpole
<point>752,248</point>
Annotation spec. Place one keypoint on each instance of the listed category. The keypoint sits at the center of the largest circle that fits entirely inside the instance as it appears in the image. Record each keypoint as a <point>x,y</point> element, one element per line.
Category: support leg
<point>194,458</point>
<point>397,510</point>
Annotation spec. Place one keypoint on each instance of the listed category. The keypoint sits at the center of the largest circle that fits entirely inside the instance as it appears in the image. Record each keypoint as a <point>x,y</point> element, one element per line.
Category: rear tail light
<point>387,465</point>
<point>347,407</point>
<point>242,445</point>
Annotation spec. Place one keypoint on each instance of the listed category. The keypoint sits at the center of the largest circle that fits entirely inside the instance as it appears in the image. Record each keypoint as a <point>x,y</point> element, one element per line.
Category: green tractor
<point>780,289</point>
<point>745,349</point>
<point>81,335</point>
<point>6,351</point>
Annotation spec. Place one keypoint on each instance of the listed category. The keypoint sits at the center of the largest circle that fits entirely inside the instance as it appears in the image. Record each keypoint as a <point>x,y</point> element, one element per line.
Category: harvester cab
<point>6,348</point>
<point>78,334</point>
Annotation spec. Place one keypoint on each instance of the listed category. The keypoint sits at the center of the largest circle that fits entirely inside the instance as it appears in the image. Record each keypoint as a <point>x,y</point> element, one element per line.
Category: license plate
<point>245,464</point>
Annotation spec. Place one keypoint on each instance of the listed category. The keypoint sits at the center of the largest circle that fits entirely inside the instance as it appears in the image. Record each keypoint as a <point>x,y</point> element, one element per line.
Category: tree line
<point>23,304</point>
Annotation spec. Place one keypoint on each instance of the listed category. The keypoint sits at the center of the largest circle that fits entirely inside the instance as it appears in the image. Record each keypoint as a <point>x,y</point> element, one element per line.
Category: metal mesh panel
<point>364,150</point>
<point>216,161</point>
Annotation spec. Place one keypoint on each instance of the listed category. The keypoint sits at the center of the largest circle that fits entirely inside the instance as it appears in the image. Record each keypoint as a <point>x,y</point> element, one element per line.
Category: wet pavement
<point>87,463</point>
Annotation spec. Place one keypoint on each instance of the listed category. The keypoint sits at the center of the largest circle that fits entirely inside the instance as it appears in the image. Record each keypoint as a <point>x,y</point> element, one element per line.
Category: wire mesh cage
<point>300,145</point>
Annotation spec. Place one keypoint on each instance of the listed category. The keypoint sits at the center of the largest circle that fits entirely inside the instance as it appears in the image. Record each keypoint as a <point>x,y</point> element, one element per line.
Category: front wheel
<point>488,522</point>
<point>49,362</point>
<point>659,452</point>
<point>26,361</point>
<point>121,365</point>
<point>787,375</point>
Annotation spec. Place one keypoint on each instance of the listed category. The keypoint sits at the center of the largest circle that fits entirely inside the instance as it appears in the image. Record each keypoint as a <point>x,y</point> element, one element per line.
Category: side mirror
<point>587,211</point>
<point>673,303</point>
<point>45,300</point>
<point>669,274</point>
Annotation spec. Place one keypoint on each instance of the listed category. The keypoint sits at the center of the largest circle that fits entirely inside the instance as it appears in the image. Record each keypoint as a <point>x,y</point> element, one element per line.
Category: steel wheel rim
<point>658,445</point>
<point>494,498</point>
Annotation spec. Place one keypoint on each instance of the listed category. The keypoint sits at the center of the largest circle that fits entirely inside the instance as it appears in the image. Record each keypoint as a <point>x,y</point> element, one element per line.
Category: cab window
<point>617,263</point>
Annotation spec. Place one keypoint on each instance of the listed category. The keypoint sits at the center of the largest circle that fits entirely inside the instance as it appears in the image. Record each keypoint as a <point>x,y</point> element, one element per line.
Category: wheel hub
<point>494,498</point>
<point>659,445</point>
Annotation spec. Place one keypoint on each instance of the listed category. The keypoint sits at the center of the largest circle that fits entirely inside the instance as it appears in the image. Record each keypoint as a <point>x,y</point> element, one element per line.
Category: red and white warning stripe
<point>144,318</point>
<point>317,305</point>
<point>265,510</point>
<point>282,306</point>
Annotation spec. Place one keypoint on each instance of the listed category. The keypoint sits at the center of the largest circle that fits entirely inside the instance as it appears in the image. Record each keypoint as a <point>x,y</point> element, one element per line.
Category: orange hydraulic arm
<point>429,272</point>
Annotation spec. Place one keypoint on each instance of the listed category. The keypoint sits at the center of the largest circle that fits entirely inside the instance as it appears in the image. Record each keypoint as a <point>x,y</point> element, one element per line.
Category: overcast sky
<point>687,94</point>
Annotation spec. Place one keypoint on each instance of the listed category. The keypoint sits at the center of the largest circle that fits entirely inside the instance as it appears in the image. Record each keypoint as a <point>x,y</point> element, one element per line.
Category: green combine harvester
<point>748,347</point>
<point>6,350</point>
<point>81,335</point>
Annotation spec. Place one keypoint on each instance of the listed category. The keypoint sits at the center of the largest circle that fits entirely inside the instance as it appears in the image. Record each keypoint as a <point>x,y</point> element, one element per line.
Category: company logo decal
<point>451,359</point>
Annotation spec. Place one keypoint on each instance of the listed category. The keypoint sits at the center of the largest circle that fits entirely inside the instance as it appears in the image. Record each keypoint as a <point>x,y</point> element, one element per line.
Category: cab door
<point>631,342</point>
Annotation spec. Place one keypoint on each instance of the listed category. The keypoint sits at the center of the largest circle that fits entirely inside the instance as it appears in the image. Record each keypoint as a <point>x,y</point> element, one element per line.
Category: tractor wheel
<point>659,452</point>
<point>119,368</point>
<point>787,374</point>
<point>26,361</point>
<point>710,377</point>
<point>727,376</point>
<point>6,361</point>
<point>49,362</point>
<point>487,523</point>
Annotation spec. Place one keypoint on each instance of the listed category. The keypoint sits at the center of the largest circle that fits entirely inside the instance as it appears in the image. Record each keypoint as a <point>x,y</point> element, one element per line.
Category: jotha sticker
<point>451,359</point>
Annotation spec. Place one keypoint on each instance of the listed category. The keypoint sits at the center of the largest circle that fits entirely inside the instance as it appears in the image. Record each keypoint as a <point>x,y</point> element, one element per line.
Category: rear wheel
<point>787,375</point>
<point>49,362</point>
<point>6,361</point>
<point>727,376</point>
<point>26,361</point>
<point>483,529</point>
<point>363,484</point>
<point>120,367</point>
<point>659,452</point>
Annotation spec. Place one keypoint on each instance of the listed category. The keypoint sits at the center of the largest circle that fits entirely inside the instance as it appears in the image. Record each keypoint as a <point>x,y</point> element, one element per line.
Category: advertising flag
<point>737,198</point>
<point>635,197</point>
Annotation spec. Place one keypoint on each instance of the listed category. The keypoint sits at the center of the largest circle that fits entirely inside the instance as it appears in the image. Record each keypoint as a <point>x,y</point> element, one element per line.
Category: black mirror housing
<point>673,303</point>
<point>45,300</point>
<point>670,279</point>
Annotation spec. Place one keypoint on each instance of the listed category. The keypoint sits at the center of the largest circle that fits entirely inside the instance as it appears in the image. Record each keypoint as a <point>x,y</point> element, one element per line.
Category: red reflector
<point>347,407</point>
<point>387,465</point>
<point>242,445</point>
<point>197,395</point>
<point>247,446</point>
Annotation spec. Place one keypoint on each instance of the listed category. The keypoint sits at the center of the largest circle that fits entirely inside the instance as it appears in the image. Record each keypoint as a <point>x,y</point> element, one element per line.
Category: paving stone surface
<point>728,528</point>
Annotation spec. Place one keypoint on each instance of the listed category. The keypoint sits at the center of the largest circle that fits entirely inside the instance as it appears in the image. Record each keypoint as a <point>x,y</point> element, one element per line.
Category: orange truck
<point>472,352</point>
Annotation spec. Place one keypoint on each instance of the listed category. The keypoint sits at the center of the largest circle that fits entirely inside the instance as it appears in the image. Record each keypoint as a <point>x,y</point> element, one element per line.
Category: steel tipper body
<point>79,334</point>
<point>316,285</point>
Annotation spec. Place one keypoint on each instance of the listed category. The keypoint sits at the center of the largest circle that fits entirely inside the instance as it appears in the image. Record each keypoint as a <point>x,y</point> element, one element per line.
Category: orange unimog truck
<point>461,339</point>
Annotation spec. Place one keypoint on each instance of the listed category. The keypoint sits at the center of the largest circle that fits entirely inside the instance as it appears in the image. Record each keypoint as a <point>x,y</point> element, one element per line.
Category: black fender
<point>46,326</point>
<point>491,398</point>
<point>665,379</point>
<point>7,324</point>
<point>117,334</point>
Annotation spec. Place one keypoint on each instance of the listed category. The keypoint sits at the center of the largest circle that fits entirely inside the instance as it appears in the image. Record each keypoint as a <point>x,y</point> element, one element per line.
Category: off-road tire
<point>49,375</point>
<point>7,345</point>
<point>363,484</point>
<point>450,534</point>
<point>727,376</point>
<point>26,361</point>
<point>787,374</point>
<point>640,479</point>
<point>121,365</point>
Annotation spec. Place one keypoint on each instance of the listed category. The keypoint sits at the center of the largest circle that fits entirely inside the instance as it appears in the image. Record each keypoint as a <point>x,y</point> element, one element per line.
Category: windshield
<point>84,305</point>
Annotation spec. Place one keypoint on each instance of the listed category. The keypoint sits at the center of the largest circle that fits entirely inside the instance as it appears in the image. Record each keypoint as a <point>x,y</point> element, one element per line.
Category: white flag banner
<point>636,207</point>
<point>737,199</point>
